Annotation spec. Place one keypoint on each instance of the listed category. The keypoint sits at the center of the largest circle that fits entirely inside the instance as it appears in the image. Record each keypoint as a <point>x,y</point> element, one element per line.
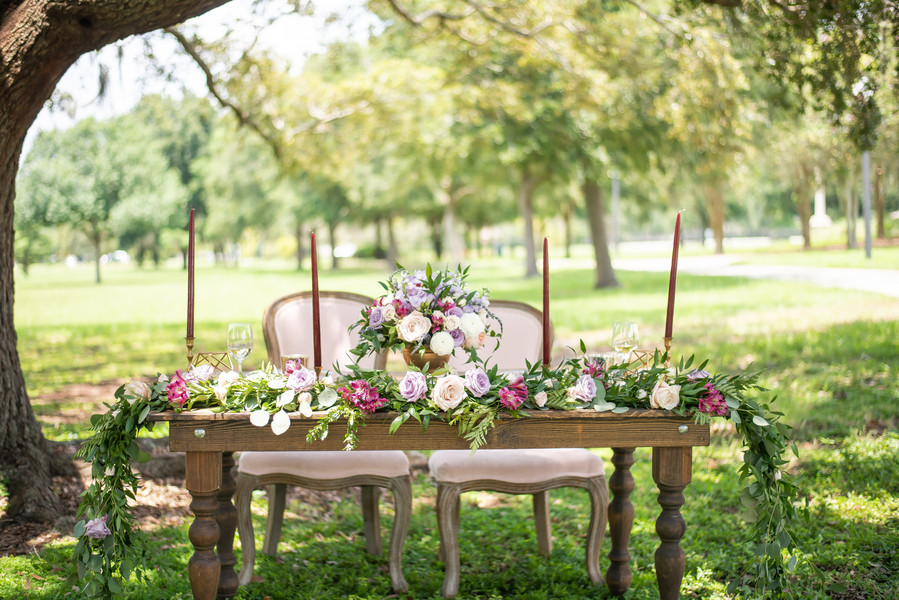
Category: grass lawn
<point>829,355</point>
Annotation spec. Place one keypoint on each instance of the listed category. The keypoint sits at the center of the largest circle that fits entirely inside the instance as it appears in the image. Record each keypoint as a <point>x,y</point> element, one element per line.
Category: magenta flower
<point>712,402</point>
<point>513,395</point>
<point>177,390</point>
<point>363,396</point>
<point>594,369</point>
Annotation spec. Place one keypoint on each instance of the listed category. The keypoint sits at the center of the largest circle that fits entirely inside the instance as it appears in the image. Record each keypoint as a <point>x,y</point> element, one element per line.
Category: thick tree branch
<point>421,18</point>
<point>242,116</point>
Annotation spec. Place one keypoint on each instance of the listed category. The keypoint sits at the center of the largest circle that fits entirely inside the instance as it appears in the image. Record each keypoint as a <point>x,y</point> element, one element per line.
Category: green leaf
<point>79,529</point>
<point>760,421</point>
<point>620,409</point>
<point>750,515</point>
<point>115,586</point>
<point>327,398</point>
<point>143,457</point>
<point>143,414</point>
<point>735,417</point>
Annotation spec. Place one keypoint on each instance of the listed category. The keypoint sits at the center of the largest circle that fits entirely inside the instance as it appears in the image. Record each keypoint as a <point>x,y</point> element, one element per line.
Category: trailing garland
<point>110,547</point>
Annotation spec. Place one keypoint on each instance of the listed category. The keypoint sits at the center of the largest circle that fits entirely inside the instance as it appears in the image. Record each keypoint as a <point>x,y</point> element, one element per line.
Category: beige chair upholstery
<point>522,328</point>
<point>287,328</point>
<point>532,472</point>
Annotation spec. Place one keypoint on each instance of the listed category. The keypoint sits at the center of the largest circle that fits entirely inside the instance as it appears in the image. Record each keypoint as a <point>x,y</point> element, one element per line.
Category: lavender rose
<point>416,296</point>
<point>414,386</point>
<point>449,391</point>
<point>96,528</point>
<point>477,382</point>
<point>376,317</point>
<point>584,389</point>
<point>458,337</point>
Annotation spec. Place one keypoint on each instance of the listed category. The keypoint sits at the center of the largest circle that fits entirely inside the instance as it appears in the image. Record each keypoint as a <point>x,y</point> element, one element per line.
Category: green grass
<point>829,356</point>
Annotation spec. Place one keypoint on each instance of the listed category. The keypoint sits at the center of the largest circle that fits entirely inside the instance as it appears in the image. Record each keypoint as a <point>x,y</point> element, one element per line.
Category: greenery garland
<point>110,548</point>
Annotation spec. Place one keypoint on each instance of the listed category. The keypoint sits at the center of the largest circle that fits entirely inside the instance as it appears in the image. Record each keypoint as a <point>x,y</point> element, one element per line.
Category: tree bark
<point>332,236</point>
<point>393,252</point>
<point>436,236</point>
<point>455,247</point>
<point>526,209</point>
<point>850,203</point>
<point>300,234</point>
<point>803,192</point>
<point>39,41</point>
<point>879,202</point>
<point>605,274</point>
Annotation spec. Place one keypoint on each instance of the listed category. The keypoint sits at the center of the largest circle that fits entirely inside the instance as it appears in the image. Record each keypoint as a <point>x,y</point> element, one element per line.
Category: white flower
<point>413,327</point>
<point>540,399</point>
<point>389,312</point>
<point>137,390</point>
<point>110,471</point>
<point>163,378</point>
<point>472,325</point>
<point>641,394</point>
<point>438,314</point>
<point>305,408</point>
<point>386,300</point>
<point>200,373</point>
<point>280,422</point>
<point>451,323</point>
<point>777,475</point>
<point>285,398</point>
<point>664,395</point>
<point>259,417</point>
<point>276,383</point>
<point>221,387</point>
<point>442,343</point>
<point>115,413</point>
<point>449,391</point>
<point>475,341</point>
<point>327,381</point>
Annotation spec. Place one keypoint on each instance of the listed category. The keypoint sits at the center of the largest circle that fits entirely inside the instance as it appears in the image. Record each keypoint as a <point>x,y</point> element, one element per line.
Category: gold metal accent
<point>285,358</point>
<point>189,340</point>
<point>668,351</point>
<point>218,360</point>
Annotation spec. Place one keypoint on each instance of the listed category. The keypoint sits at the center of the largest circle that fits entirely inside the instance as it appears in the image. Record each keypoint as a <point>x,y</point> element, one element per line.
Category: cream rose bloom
<point>449,392</point>
<point>389,312</point>
<point>442,343</point>
<point>664,395</point>
<point>413,327</point>
<point>451,322</point>
<point>138,390</point>
<point>475,341</point>
<point>540,399</point>
<point>471,325</point>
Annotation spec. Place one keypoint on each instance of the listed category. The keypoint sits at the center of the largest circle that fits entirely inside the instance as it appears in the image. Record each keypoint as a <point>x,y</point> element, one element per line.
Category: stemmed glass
<point>240,343</point>
<point>624,339</point>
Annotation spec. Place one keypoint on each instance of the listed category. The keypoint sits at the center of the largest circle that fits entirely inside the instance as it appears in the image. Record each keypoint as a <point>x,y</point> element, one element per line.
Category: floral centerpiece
<point>429,314</point>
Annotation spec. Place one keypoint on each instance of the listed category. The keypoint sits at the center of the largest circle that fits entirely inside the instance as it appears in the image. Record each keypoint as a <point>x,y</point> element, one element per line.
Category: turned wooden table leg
<point>203,479</point>
<point>672,471</point>
<point>227,522</point>
<point>621,519</point>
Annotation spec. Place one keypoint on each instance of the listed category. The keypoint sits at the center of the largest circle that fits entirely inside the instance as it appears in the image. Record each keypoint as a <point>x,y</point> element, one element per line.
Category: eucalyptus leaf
<point>760,421</point>
<point>327,397</point>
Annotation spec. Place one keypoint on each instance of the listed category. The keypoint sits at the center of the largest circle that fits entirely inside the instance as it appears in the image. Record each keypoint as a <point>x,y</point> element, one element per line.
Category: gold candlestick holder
<point>189,340</point>
<point>667,351</point>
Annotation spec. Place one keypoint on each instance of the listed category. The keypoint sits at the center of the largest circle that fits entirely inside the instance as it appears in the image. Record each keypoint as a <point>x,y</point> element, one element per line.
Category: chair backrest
<point>522,327</point>
<point>287,327</point>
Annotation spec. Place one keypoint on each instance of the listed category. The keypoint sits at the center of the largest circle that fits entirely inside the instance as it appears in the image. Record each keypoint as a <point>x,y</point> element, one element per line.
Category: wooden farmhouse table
<point>211,439</point>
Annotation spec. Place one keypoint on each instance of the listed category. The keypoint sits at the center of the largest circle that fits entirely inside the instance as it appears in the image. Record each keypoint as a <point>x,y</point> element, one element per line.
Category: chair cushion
<point>514,466</point>
<point>326,465</point>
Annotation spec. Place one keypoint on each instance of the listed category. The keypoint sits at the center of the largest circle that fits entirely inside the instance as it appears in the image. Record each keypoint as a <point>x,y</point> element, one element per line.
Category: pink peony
<point>177,390</point>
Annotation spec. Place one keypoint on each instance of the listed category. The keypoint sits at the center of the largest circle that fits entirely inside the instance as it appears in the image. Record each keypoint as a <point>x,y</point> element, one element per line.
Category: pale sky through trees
<point>132,74</point>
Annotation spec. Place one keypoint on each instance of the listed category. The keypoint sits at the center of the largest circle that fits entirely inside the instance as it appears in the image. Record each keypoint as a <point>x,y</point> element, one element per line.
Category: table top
<point>205,431</point>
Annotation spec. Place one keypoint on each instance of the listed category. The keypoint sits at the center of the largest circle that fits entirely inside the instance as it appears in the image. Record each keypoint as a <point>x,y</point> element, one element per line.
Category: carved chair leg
<point>243,497</point>
<point>621,520</point>
<point>448,525</point>
<point>371,519</point>
<point>599,498</point>
<point>543,523</point>
<point>277,495</point>
<point>402,501</point>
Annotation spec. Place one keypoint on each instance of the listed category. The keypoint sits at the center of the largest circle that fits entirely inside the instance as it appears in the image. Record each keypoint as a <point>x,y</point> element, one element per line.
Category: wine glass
<point>240,343</point>
<point>624,339</point>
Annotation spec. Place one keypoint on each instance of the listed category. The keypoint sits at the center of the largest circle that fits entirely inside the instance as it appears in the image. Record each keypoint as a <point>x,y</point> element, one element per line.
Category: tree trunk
<point>879,202</point>
<point>803,192</point>
<point>393,253</point>
<point>715,208</point>
<point>605,274</point>
<point>455,245</point>
<point>567,209</point>
<point>850,203</point>
<point>299,234</point>
<point>96,239</point>
<point>526,208</point>
<point>39,41</point>
<point>332,236</point>
<point>436,236</point>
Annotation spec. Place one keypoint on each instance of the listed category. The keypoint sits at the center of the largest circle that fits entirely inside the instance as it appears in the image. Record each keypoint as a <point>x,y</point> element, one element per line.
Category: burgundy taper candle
<point>672,281</point>
<point>190,276</point>
<point>546,333</point>
<point>316,316</point>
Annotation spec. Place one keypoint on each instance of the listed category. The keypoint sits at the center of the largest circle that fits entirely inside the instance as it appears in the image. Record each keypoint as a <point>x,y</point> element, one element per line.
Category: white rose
<point>413,327</point>
<point>389,312</point>
<point>471,325</point>
<point>386,299</point>
<point>138,390</point>
<point>442,343</point>
<point>641,394</point>
<point>451,323</point>
<point>475,341</point>
<point>449,391</point>
<point>540,399</point>
<point>664,395</point>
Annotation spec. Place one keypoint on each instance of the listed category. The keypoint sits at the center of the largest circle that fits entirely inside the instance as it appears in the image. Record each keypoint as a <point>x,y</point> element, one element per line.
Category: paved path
<point>882,281</point>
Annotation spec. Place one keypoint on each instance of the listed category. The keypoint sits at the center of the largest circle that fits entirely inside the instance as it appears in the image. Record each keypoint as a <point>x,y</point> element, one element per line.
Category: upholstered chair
<point>533,472</point>
<point>286,325</point>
